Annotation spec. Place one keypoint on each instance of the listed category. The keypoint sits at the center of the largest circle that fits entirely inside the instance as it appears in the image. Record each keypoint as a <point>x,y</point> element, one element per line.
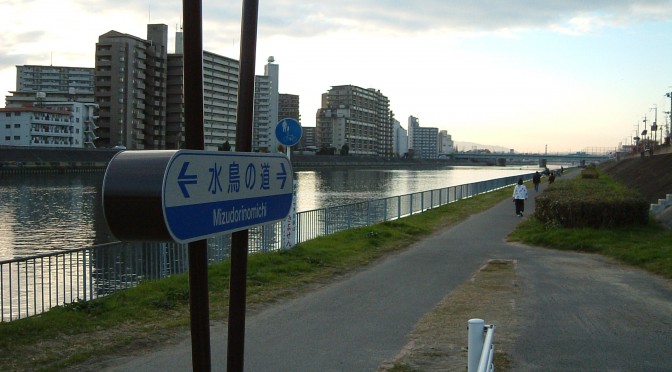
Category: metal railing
<point>480,350</point>
<point>32,285</point>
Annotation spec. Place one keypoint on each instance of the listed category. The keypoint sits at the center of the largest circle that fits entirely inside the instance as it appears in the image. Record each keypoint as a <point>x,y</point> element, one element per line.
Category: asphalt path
<point>578,312</point>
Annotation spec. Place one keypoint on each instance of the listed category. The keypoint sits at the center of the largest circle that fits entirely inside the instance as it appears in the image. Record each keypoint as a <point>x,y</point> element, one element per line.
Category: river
<point>40,213</point>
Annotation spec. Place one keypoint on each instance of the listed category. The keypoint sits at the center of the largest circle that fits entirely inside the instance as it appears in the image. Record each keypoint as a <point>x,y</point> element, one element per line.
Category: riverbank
<point>38,160</point>
<point>90,333</point>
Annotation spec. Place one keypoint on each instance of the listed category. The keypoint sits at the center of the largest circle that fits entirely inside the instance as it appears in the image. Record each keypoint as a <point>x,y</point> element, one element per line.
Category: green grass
<point>648,247</point>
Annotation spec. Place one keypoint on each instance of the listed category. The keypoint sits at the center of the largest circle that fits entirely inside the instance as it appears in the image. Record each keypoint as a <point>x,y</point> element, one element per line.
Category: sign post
<point>240,240</point>
<point>288,131</point>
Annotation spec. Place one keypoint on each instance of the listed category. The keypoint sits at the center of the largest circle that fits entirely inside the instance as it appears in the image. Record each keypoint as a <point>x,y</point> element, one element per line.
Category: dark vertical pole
<point>239,240</point>
<point>193,128</point>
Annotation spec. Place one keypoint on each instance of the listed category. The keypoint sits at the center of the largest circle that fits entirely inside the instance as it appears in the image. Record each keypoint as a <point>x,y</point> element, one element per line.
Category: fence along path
<point>32,285</point>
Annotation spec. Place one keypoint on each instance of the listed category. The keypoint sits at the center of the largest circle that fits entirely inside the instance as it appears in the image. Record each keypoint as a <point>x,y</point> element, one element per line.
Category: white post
<point>475,343</point>
<point>288,238</point>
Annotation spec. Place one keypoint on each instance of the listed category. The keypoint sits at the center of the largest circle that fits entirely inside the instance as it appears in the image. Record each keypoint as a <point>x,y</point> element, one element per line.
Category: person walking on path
<point>519,196</point>
<point>536,180</point>
<point>551,178</point>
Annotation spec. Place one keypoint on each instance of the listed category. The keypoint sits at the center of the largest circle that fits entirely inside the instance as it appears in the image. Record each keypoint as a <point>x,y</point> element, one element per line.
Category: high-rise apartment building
<point>288,107</point>
<point>446,145</point>
<point>422,140</point>
<point>358,117</point>
<point>400,139</point>
<point>175,101</point>
<point>131,88</point>
<point>261,120</point>
<point>308,138</point>
<point>266,101</point>
<point>220,99</point>
<point>54,83</point>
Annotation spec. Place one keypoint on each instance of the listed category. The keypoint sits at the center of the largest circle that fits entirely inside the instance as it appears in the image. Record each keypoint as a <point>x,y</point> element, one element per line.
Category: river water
<point>40,213</point>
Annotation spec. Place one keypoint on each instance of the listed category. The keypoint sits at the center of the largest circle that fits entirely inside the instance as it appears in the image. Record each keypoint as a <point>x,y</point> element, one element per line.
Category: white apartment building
<point>261,120</point>
<point>400,139</point>
<point>54,83</point>
<point>446,144</point>
<point>52,124</point>
<point>266,100</point>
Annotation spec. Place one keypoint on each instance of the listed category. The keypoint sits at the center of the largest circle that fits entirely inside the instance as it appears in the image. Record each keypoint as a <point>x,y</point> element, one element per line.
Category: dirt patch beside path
<point>439,340</point>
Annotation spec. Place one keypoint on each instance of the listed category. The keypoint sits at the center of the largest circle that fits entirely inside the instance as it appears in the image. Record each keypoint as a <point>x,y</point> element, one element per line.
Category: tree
<point>345,149</point>
<point>226,146</point>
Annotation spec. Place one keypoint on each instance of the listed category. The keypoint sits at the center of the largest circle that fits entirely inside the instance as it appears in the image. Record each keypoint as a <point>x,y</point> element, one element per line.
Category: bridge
<point>503,158</point>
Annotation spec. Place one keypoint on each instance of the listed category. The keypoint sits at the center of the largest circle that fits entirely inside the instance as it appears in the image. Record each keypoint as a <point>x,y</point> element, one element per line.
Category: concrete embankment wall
<point>24,160</point>
<point>20,160</point>
<point>300,162</point>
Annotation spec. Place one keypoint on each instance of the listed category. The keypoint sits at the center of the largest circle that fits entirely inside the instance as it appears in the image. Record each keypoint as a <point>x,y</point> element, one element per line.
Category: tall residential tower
<point>131,88</point>
<point>357,117</point>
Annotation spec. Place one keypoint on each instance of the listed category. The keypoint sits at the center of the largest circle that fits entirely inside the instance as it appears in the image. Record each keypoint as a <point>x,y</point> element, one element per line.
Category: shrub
<point>590,172</point>
<point>591,202</point>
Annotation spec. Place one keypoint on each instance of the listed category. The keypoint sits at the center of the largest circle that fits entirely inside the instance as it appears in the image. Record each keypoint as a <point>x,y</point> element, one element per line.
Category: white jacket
<point>520,192</point>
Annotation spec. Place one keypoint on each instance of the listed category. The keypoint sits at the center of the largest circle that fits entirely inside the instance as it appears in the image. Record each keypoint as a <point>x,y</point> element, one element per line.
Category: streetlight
<point>654,128</point>
<point>636,138</point>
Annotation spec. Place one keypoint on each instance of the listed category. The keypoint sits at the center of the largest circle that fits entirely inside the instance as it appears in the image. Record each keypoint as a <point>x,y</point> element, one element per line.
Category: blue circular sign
<point>288,131</point>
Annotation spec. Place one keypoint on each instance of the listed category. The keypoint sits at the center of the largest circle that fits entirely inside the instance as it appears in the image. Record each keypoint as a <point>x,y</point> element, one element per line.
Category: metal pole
<point>239,240</point>
<point>475,340</point>
<point>668,125</point>
<point>193,133</point>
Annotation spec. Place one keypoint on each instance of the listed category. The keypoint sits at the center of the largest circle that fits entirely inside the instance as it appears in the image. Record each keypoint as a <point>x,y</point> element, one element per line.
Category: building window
<point>17,138</point>
<point>17,125</point>
<point>7,138</point>
<point>8,114</point>
<point>8,126</point>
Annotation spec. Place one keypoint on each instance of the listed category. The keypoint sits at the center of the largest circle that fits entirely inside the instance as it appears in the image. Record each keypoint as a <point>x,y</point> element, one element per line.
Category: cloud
<point>298,18</point>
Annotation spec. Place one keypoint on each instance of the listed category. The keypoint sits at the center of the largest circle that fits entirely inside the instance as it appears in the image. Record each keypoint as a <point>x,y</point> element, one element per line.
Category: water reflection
<point>50,210</point>
<point>328,188</point>
<point>47,212</point>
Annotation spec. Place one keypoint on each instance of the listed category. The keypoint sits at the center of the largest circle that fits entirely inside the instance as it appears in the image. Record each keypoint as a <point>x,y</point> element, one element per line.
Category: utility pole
<point>644,135</point>
<point>665,137</point>
<point>667,129</point>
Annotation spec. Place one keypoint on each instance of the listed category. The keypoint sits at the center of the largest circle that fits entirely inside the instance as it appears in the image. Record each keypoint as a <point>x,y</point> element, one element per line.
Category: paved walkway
<point>578,312</point>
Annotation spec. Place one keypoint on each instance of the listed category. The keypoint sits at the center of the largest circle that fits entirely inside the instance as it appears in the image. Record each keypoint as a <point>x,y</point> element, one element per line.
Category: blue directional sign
<point>288,132</point>
<point>211,193</point>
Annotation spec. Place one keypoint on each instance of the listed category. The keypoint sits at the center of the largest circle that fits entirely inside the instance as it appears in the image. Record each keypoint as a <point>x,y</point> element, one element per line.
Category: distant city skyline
<point>558,77</point>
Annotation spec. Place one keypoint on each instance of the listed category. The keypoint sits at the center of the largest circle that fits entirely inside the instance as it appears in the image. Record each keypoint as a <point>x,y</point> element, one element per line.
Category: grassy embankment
<point>648,247</point>
<point>156,310</point>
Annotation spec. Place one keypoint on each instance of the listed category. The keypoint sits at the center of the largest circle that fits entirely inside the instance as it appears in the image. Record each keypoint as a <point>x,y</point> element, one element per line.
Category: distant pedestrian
<point>519,196</point>
<point>536,180</point>
<point>551,178</point>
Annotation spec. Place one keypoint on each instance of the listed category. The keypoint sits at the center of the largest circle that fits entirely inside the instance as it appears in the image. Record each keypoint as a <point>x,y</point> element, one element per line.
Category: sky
<point>532,76</point>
